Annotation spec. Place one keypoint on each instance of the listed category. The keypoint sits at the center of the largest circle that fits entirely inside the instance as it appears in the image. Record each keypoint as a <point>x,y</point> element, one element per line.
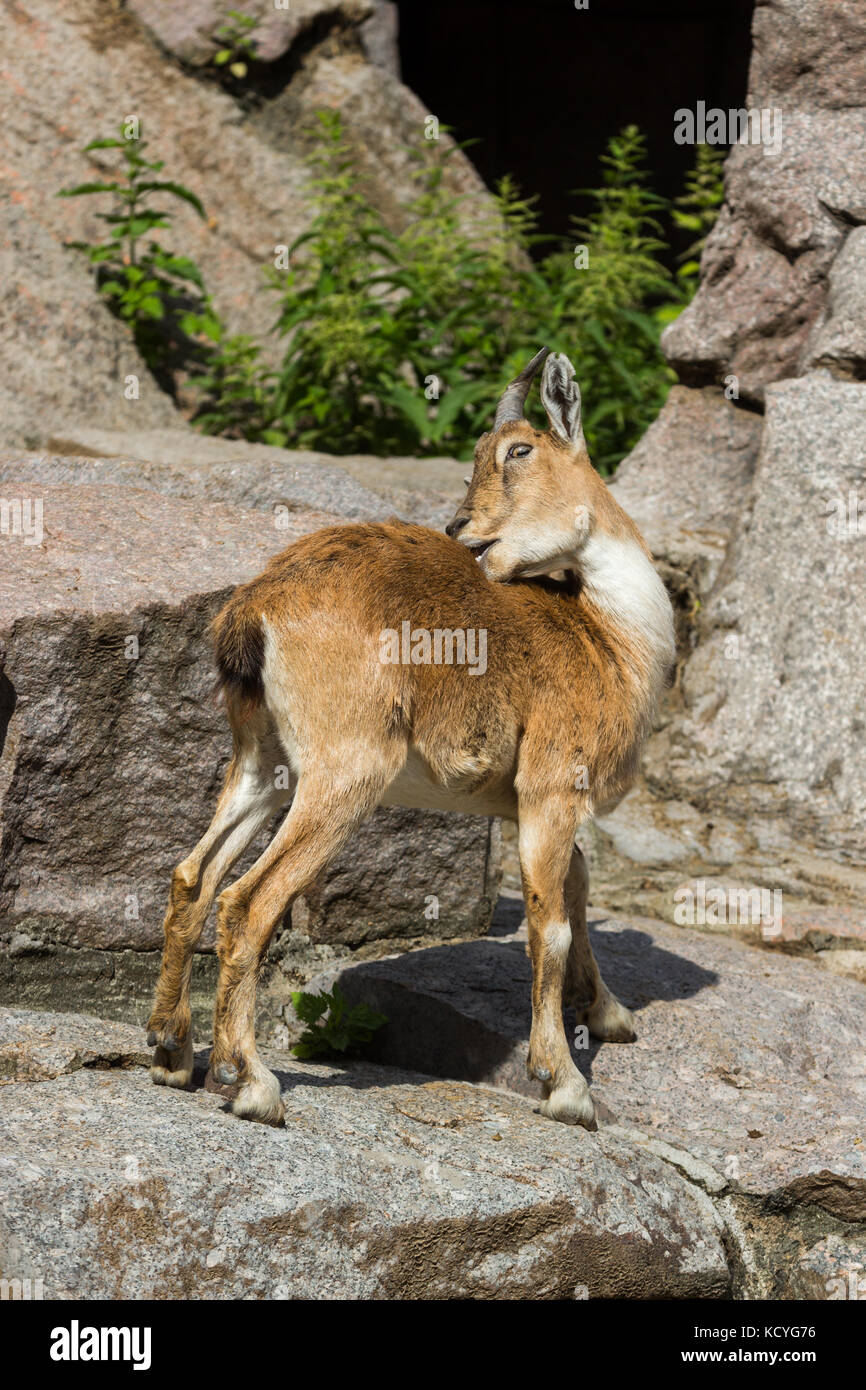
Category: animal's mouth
<point>480,548</point>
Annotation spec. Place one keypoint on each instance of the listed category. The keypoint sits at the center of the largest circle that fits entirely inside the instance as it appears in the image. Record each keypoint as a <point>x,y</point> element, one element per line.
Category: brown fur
<point>329,596</point>
<point>553,727</point>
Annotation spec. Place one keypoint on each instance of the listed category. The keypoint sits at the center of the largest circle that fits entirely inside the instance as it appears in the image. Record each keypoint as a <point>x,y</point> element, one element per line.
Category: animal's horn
<point>513,398</point>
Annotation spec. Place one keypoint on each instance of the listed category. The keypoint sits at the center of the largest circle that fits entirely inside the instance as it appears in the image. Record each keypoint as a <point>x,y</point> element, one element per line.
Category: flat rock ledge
<point>754,1063</point>
<point>384,1184</point>
<point>183,463</point>
<point>748,1074</point>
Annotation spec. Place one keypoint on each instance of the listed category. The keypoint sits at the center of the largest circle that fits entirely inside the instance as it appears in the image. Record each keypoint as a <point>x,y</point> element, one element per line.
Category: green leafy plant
<point>159,293</point>
<point>332,1026</point>
<point>400,341</point>
<point>601,299</point>
<point>397,339</point>
<point>235,391</point>
<point>332,309</point>
<point>696,210</point>
<point>238,44</point>
<point>460,307</point>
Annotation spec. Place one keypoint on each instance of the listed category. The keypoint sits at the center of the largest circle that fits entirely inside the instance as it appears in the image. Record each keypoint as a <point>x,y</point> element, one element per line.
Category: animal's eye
<point>519,451</point>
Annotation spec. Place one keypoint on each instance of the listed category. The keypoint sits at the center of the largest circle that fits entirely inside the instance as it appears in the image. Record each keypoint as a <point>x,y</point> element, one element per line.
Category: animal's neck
<point>620,582</point>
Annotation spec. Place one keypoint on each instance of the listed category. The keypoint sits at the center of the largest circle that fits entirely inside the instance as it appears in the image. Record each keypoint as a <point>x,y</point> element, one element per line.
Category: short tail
<point>239,646</point>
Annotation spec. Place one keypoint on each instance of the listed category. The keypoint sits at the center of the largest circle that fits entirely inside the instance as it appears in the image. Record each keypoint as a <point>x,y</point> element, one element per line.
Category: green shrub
<point>607,317</point>
<point>332,309</point>
<point>237,389</point>
<point>696,211</point>
<point>401,342</point>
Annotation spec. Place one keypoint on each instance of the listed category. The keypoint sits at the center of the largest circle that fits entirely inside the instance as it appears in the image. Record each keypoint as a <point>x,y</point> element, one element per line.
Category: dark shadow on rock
<point>463,1011</point>
<point>507,916</point>
<point>7,704</point>
<point>639,971</point>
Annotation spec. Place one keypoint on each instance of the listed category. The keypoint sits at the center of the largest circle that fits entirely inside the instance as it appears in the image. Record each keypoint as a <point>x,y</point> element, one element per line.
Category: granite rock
<point>755,773</point>
<point>43,1046</point>
<point>181,463</point>
<point>771,258</point>
<point>383,1184</point>
<point>260,476</point>
<point>752,1064</point>
<point>839,340</point>
<point>773,701</point>
<point>78,71</point>
<point>809,52</point>
<point>767,262</point>
<point>189,32</point>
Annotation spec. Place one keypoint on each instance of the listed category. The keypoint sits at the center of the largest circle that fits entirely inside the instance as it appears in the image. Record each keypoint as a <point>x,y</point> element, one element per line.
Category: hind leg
<point>328,805</point>
<point>603,1014</point>
<point>248,801</point>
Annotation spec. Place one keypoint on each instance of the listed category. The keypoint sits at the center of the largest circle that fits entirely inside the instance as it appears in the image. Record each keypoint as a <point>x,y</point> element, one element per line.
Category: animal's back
<point>403,621</point>
<point>371,577</point>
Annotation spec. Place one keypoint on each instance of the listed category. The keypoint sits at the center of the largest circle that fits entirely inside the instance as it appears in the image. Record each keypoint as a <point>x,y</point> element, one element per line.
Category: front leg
<point>546,836</point>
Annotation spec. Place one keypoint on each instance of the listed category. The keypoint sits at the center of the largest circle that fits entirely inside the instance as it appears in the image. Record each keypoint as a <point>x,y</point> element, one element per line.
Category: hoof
<point>259,1099</point>
<point>609,1021</point>
<point>173,1067</point>
<point>158,1037</point>
<point>570,1104</point>
<point>216,1088</point>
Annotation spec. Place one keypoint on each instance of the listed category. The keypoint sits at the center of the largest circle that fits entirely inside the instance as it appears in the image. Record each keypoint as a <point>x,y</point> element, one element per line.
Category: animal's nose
<point>456,525</point>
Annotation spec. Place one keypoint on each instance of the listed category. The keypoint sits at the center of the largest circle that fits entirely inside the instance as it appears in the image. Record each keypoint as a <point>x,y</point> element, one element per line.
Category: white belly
<point>417,788</point>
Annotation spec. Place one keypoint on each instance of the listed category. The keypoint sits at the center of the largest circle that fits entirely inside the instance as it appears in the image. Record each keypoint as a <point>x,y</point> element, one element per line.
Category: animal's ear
<point>560,396</point>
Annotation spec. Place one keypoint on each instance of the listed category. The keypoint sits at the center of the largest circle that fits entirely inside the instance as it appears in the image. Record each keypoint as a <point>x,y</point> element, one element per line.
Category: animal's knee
<point>183,881</point>
<point>557,940</point>
<point>180,919</point>
<point>231,917</point>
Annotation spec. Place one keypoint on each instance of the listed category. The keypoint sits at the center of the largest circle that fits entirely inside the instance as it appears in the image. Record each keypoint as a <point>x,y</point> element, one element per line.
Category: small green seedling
<point>332,1026</point>
<point>239,48</point>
